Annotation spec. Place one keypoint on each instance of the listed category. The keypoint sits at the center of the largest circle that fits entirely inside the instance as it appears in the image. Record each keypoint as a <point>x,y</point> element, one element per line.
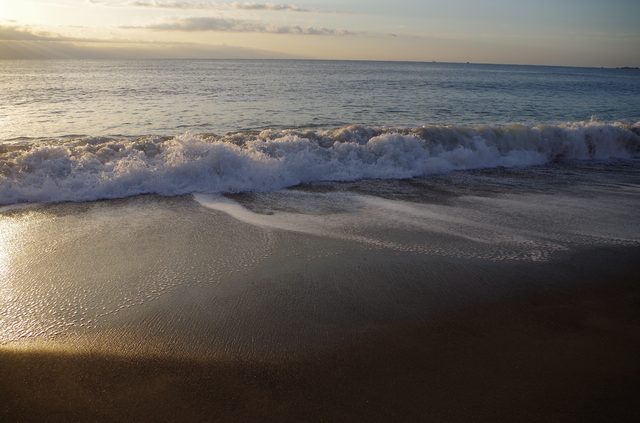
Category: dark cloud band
<point>234,25</point>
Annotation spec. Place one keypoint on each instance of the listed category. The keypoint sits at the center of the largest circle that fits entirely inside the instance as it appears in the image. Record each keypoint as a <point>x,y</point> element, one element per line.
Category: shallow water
<point>264,273</point>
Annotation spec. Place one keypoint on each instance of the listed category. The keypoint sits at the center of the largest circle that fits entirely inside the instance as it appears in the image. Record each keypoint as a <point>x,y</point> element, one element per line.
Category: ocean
<point>87,130</point>
<point>317,240</point>
<point>501,164</point>
<point>42,99</point>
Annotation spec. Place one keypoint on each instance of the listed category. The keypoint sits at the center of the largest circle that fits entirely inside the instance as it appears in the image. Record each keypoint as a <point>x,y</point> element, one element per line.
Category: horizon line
<point>110,59</point>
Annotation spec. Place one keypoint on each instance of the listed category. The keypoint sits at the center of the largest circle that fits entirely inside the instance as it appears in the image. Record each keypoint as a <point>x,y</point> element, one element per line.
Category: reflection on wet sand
<point>568,357</point>
<point>323,304</point>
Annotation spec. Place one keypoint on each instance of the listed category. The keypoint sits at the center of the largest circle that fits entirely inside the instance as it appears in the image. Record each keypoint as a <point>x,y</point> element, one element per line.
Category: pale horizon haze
<point>562,32</point>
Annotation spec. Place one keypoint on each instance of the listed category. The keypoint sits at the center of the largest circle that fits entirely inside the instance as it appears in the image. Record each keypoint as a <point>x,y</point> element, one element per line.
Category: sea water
<point>86,130</point>
<point>315,196</point>
<point>107,98</point>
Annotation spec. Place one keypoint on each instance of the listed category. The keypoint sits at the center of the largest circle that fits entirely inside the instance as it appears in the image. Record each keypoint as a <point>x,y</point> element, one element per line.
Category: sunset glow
<point>585,33</point>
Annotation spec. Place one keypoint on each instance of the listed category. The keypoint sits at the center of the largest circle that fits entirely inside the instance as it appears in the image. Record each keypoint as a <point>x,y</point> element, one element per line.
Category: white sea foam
<point>87,169</point>
<point>513,227</point>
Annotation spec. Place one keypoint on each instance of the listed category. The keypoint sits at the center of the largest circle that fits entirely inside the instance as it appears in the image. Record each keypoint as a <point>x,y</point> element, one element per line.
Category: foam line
<point>88,168</point>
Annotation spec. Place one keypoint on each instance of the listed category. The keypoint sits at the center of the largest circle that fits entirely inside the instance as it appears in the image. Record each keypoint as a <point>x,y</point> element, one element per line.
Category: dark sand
<point>569,354</point>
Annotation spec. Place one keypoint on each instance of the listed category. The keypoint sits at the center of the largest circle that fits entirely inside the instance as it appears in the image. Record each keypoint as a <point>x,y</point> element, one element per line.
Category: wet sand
<point>160,309</point>
<point>566,354</point>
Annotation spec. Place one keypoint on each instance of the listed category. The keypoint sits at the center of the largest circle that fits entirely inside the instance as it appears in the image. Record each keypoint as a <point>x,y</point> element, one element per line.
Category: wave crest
<point>91,168</point>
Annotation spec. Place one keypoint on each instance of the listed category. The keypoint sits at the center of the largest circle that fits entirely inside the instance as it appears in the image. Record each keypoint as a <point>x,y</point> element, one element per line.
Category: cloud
<point>20,50</point>
<point>17,33</point>
<point>267,6</point>
<point>195,5</point>
<point>155,4</point>
<point>24,43</point>
<point>12,33</point>
<point>234,25</point>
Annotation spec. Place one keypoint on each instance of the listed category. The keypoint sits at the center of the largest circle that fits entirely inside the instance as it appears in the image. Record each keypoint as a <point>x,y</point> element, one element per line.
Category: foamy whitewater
<point>112,129</point>
<point>91,168</point>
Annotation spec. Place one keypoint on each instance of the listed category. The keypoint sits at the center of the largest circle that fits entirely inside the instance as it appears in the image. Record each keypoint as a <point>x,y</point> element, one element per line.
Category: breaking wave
<point>91,168</point>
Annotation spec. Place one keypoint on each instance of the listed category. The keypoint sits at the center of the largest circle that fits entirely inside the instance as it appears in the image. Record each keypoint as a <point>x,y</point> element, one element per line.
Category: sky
<point>550,32</point>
